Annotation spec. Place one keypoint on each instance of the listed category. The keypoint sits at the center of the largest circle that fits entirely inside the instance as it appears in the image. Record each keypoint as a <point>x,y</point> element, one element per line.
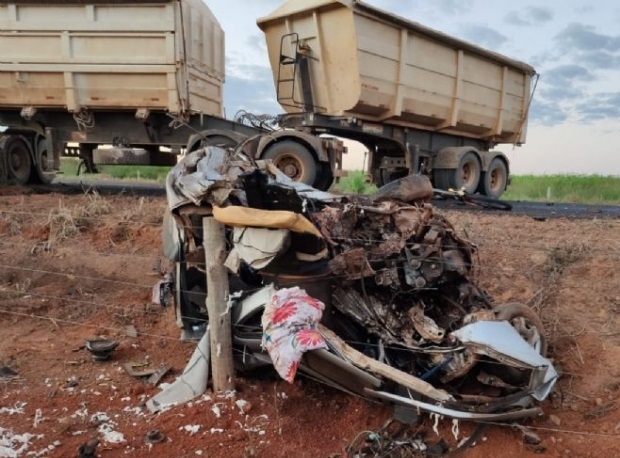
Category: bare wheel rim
<point>46,163</point>
<point>496,180</point>
<point>468,174</point>
<point>19,161</point>
<point>290,166</point>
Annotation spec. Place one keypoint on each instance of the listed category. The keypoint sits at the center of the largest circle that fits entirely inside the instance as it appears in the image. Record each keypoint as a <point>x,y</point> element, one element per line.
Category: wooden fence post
<point>214,241</point>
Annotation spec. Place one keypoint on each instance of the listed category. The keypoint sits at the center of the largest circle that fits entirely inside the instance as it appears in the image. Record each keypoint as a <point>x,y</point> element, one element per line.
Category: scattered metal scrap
<point>101,349</point>
<point>146,371</point>
<point>397,281</point>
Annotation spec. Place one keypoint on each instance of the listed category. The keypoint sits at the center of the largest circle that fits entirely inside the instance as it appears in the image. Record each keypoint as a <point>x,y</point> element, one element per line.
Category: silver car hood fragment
<point>500,341</point>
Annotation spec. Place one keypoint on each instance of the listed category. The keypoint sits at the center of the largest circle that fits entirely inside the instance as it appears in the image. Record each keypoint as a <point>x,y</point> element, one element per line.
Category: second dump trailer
<point>420,100</point>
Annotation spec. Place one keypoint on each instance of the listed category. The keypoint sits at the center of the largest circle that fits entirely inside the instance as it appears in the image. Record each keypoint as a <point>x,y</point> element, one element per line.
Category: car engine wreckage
<point>371,294</point>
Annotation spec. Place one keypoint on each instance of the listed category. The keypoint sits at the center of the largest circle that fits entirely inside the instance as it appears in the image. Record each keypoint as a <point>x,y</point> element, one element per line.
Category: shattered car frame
<point>404,321</point>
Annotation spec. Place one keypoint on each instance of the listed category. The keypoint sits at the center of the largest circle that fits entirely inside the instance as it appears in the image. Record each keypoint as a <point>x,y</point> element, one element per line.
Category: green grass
<point>69,167</point>
<point>592,189</point>
<point>355,183</point>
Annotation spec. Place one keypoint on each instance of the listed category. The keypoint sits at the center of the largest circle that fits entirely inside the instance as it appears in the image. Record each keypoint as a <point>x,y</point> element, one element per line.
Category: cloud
<point>247,71</point>
<point>602,60</point>
<point>585,45</point>
<point>532,15</point>
<point>453,6</point>
<point>547,113</point>
<point>253,96</point>
<point>483,36</point>
<point>559,93</point>
<point>567,74</point>
<point>582,37</point>
<point>600,106</point>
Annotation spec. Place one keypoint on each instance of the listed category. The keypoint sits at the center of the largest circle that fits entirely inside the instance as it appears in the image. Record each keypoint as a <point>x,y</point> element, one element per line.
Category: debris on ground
<point>88,449</point>
<point>101,349</point>
<point>7,373</point>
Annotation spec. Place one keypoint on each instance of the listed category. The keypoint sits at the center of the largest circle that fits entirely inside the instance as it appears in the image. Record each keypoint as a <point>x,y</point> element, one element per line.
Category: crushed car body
<point>400,317</point>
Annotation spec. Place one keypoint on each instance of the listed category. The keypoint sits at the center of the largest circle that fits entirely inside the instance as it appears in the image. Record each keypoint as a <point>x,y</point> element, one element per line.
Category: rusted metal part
<point>352,265</point>
<point>412,188</point>
<point>362,361</point>
<point>425,326</point>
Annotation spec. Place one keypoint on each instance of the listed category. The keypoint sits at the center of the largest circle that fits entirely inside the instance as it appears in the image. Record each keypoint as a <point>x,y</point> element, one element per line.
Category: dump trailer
<point>145,76</point>
<point>418,99</point>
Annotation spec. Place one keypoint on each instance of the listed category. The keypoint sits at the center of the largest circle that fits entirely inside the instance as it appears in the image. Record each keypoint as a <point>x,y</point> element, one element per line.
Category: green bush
<point>355,183</point>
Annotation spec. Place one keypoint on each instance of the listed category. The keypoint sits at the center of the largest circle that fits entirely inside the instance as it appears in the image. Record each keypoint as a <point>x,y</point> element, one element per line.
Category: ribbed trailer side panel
<point>95,55</point>
<point>366,63</point>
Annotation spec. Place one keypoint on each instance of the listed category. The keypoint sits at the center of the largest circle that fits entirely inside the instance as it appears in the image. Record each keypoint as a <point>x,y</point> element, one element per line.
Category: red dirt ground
<point>78,267</point>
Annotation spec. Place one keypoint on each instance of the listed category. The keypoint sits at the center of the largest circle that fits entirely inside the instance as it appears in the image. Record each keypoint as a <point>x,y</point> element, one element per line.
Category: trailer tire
<point>294,160</point>
<point>18,159</point>
<point>495,179</point>
<point>121,156</point>
<point>43,171</point>
<point>465,176</point>
<point>325,178</point>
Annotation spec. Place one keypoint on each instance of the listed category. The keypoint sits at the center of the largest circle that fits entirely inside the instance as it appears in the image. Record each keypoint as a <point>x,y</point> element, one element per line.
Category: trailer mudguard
<point>195,140</point>
<point>313,142</point>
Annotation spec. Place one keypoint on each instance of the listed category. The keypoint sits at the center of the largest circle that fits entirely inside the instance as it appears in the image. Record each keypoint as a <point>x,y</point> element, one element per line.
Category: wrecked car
<point>400,317</point>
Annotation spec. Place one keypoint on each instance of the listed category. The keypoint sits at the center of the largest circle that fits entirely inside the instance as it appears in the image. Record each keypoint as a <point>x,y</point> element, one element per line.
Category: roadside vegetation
<point>590,189</point>
<point>69,169</point>
<point>354,183</point>
<point>587,189</point>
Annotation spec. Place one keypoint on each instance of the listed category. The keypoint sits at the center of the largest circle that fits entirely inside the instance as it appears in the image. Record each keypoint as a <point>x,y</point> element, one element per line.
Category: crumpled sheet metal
<point>210,175</point>
<point>191,383</point>
<point>499,339</point>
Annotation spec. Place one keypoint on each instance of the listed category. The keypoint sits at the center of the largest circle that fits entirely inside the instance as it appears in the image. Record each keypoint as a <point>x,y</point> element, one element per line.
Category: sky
<point>573,44</point>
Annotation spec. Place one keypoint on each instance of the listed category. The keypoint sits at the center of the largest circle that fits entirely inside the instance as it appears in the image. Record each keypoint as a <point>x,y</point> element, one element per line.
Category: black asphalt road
<point>537,210</point>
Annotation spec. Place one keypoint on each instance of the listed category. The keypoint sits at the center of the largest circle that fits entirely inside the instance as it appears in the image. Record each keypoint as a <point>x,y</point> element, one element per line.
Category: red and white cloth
<point>289,329</point>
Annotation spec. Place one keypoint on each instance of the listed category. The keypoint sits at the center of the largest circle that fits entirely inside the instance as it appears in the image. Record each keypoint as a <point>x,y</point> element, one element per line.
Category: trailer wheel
<point>294,160</point>
<point>466,176</point>
<point>495,179</point>
<point>18,159</point>
<point>325,178</point>
<point>43,171</point>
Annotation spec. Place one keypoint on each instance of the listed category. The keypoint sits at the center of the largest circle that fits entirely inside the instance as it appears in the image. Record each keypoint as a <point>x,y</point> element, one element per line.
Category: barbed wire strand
<point>206,321</point>
<point>332,277</point>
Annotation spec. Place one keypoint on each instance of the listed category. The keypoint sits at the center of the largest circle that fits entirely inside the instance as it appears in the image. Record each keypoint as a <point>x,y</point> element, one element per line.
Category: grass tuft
<point>355,183</point>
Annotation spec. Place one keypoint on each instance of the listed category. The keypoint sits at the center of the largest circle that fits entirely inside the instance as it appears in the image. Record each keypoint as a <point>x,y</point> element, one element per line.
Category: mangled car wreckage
<point>379,290</point>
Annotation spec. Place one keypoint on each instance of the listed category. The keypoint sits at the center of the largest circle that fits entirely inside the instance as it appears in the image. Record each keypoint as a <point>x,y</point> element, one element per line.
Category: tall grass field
<point>591,189</point>
<point>588,189</point>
